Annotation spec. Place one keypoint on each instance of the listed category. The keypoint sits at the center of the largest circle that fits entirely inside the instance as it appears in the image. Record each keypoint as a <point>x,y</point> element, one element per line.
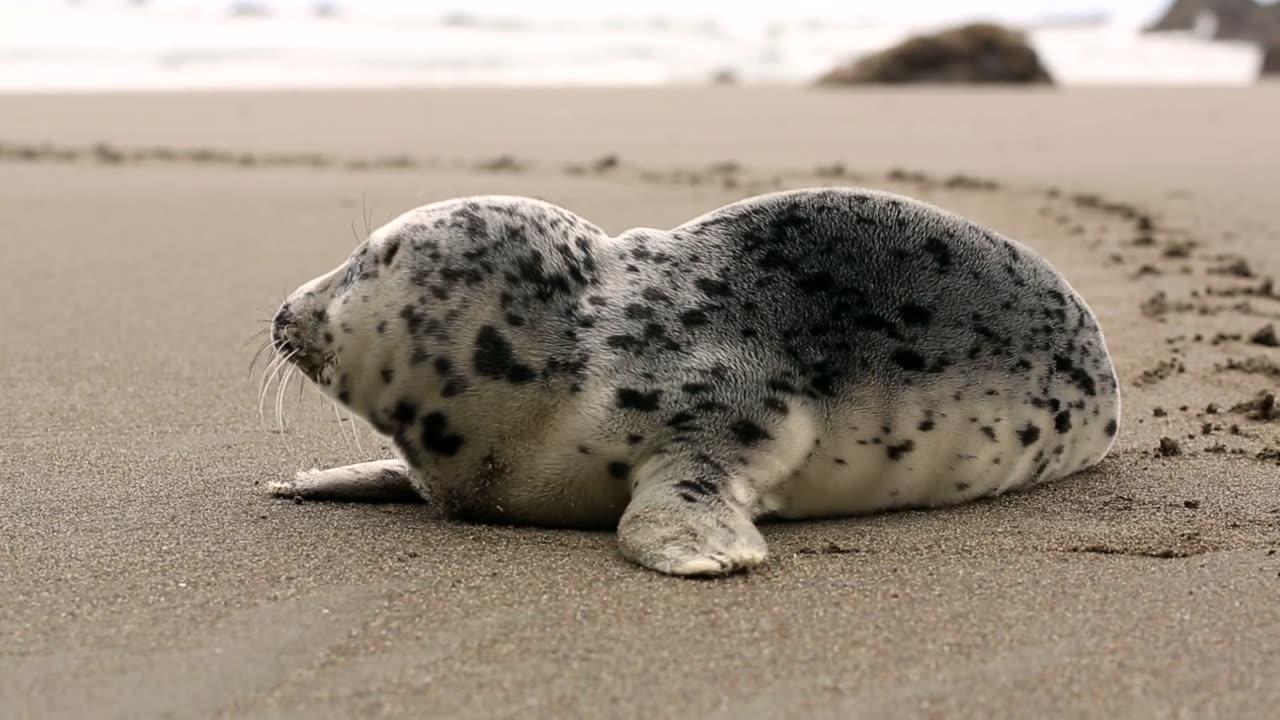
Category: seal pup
<point>801,354</point>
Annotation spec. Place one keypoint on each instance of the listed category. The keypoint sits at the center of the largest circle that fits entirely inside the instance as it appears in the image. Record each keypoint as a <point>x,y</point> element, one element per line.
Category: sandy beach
<point>145,572</point>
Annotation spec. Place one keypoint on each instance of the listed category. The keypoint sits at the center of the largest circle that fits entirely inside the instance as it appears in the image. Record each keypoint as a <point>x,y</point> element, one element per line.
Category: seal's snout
<point>282,327</point>
<point>295,335</point>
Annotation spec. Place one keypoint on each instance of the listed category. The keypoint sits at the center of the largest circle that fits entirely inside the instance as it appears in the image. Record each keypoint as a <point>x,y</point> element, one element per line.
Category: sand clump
<point>1263,407</point>
<point>1265,336</point>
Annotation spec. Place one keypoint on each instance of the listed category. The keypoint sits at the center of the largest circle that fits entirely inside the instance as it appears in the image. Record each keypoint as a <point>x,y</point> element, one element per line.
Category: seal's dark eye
<point>353,271</point>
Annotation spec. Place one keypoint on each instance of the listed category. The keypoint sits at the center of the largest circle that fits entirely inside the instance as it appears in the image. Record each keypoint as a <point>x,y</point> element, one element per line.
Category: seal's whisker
<point>338,417</point>
<point>255,336</point>
<point>284,385</point>
<point>262,388</point>
<point>261,349</point>
<point>355,432</point>
<point>274,370</point>
<point>366,212</point>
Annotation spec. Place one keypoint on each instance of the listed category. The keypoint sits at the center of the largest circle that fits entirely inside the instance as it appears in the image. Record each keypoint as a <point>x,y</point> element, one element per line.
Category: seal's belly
<point>911,456</point>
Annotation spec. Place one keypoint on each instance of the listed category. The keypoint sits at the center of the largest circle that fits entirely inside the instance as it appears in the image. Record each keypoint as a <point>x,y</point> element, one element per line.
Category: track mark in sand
<point>1264,366</point>
<point>1159,553</point>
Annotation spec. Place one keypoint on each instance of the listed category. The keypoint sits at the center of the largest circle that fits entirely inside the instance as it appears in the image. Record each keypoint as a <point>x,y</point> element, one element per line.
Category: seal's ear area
<point>389,250</point>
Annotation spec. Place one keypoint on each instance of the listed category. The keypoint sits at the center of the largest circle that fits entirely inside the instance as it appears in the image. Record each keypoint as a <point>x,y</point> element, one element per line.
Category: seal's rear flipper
<point>380,481</point>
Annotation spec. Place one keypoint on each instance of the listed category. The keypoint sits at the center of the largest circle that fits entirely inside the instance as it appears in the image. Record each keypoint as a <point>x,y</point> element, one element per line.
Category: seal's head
<point>359,331</point>
<point>328,328</point>
<point>406,316</point>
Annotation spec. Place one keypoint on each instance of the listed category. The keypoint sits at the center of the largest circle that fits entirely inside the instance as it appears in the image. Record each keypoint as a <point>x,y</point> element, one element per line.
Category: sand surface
<point>144,572</point>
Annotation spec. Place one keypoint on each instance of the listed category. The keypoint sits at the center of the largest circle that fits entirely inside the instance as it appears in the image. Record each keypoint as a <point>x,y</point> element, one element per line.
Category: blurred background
<point>50,45</point>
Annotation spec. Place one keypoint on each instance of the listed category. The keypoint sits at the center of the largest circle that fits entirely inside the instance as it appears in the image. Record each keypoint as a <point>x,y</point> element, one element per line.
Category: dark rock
<point>1232,20</point>
<point>724,76</point>
<point>976,53</point>
<point>1271,59</point>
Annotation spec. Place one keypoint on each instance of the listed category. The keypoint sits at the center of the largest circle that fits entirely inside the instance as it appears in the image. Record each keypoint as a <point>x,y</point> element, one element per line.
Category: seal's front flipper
<point>380,481</point>
<point>683,519</point>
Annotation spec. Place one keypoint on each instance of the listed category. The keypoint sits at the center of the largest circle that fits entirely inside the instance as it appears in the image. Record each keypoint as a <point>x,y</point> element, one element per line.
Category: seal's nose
<point>280,324</point>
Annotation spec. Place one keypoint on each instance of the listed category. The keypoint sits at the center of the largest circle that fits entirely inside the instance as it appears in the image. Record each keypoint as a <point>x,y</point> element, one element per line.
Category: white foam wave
<point>80,49</point>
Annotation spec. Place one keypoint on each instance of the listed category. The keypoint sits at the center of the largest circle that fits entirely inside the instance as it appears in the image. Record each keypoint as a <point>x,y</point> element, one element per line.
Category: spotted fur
<point>810,353</point>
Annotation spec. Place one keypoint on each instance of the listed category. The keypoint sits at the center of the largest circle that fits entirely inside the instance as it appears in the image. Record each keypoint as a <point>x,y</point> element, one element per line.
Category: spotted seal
<point>800,354</point>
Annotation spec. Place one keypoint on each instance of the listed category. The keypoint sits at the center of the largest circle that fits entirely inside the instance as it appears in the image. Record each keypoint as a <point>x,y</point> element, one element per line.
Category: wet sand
<point>144,572</point>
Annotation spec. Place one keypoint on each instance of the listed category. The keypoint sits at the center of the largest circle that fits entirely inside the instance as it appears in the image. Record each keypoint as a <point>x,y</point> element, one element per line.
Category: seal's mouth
<point>317,368</point>
<point>287,341</point>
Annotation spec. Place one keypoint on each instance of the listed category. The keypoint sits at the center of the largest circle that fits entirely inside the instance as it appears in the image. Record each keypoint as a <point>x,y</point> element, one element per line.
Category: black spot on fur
<point>1111,428</point>
<point>653,294</point>
<point>908,359</point>
<point>989,431</point>
<point>815,283</point>
<point>1062,421</point>
<point>436,437</point>
<point>495,358</point>
<point>749,433</point>
<point>411,316</point>
<point>940,251</point>
<point>1029,435</point>
<point>696,388</point>
<point>404,412</point>
<point>925,425</point>
<point>1078,375</point>
<point>623,342</point>
<point>876,323</point>
<point>682,421</point>
<point>695,490</point>
<point>636,311</point>
<point>632,399</point>
<point>713,288</point>
<point>387,375</point>
<point>901,450</point>
<point>913,314</point>
<point>619,470</point>
<point>694,318</point>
